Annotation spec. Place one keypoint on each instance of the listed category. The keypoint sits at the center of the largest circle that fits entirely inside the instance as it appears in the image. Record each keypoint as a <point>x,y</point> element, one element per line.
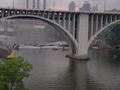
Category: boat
<point>55,49</point>
<point>7,52</point>
<point>55,45</point>
<point>3,53</point>
<point>12,55</point>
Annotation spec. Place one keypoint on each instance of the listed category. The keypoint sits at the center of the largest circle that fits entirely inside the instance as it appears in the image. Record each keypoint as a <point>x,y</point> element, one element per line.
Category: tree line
<point>51,32</point>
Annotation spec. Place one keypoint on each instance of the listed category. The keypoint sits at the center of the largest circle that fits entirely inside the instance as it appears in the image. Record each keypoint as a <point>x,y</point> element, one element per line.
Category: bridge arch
<point>5,22</point>
<point>11,23</point>
<point>98,32</point>
<point>67,35</point>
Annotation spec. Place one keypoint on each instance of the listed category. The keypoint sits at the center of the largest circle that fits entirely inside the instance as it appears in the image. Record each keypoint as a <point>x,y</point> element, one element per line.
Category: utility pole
<point>44,6</point>
<point>104,5</point>
<point>13,4</point>
<point>93,2</point>
<point>54,5</point>
<point>100,0</point>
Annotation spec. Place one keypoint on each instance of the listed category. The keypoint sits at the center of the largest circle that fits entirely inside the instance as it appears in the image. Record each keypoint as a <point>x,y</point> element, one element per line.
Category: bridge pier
<point>17,28</point>
<point>5,28</point>
<point>82,38</point>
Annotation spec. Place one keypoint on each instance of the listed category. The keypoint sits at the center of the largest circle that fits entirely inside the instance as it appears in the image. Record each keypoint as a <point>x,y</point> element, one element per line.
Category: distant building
<point>37,4</point>
<point>27,4</point>
<point>44,6</point>
<point>49,8</point>
<point>86,6</point>
<point>95,8</point>
<point>33,4</point>
<point>29,22</point>
<point>72,6</point>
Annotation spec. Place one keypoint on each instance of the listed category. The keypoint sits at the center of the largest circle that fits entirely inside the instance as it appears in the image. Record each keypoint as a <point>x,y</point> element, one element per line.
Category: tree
<point>113,10</point>
<point>52,32</point>
<point>112,39</point>
<point>12,72</point>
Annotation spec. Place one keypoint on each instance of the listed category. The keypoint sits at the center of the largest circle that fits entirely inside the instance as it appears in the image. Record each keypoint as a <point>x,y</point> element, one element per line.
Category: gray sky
<point>61,4</point>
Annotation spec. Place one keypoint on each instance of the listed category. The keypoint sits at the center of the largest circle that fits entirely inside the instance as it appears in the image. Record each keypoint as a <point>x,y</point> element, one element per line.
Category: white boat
<point>56,45</point>
<point>28,47</point>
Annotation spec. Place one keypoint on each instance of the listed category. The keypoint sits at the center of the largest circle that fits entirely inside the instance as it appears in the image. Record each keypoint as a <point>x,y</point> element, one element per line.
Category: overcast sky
<point>61,4</point>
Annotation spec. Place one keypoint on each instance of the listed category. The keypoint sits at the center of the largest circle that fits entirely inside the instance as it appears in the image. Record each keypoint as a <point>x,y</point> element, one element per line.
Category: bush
<point>12,72</point>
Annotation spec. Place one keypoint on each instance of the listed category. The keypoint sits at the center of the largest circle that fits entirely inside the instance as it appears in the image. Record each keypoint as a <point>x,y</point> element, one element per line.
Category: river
<point>53,71</point>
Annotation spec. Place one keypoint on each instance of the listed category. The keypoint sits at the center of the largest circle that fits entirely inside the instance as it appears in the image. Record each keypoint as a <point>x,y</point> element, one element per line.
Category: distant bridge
<point>78,28</point>
<point>10,22</point>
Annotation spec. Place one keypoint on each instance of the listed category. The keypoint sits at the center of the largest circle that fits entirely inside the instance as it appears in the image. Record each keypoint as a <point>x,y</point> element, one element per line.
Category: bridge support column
<point>17,28</point>
<point>91,25</point>
<point>53,16</point>
<point>101,21</point>
<point>73,24</point>
<point>42,14</point>
<point>48,15</point>
<point>106,20</point>
<point>81,50</point>
<point>2,13</point>
<point>83,36</point>
<point>110,18</point>
<point>68,22</point>
<point>63,20</point>
<point>96,23</point>
<point>6,27</point>
<point>58,18</point>
<point>9,12</point>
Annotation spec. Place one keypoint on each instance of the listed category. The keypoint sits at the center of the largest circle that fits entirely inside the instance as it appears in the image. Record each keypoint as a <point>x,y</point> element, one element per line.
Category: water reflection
<point>53,71</point>
<point>78,70</point>
<point>105,70</point>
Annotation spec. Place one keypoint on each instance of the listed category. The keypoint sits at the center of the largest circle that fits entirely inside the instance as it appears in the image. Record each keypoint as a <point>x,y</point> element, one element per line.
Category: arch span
<point>66,34</point>
<point>93,37</point>
<point>5,22</point>
<point>11,23</point>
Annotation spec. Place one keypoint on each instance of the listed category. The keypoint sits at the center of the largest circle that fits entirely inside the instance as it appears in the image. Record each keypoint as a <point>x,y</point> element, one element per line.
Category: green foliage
<point>113,40</point>
<point>113,10</point>
<point>52,32</point>
<point>13,71</point>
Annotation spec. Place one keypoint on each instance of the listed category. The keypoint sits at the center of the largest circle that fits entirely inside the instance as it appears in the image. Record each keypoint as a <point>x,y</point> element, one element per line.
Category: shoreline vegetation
<point>12,73</point>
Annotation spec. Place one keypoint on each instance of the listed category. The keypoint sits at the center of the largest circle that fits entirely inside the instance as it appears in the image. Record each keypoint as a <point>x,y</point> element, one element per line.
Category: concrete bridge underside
<point>78,28</point>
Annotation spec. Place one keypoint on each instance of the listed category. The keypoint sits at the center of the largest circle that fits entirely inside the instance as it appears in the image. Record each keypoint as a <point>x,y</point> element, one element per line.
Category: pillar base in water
<point>72,56</point>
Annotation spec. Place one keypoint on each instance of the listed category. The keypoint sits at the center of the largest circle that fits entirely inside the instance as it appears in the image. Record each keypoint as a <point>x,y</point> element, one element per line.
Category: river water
<point>53,71</point>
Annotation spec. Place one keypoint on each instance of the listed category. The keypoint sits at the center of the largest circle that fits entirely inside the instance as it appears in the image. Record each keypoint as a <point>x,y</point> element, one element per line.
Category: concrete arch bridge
<point>78,28</point>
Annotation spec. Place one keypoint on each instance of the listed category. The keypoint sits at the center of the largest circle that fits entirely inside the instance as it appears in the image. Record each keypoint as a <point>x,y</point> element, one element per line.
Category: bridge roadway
<point>78,28</point>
